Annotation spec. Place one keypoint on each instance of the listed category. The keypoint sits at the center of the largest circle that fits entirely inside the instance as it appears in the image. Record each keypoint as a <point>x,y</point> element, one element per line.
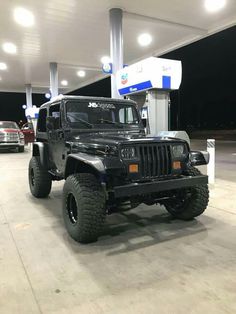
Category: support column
<point>53,79</point>
<point>116,47</point>
<point>158,102</point>
<point>28,90</point>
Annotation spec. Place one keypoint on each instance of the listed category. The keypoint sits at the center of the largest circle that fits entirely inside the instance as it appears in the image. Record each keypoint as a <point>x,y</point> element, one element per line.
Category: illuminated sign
<point>149,73</point>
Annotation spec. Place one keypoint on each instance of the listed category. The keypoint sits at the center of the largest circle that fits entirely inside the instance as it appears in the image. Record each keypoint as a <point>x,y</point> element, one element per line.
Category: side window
<point>122,115</point>
<point>54,111</point>
<point>126,115</point>
<point>41,125</point>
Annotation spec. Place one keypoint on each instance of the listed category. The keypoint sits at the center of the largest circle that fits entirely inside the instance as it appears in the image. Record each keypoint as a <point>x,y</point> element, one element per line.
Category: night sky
<point>206,99</point>
<point>11,105</point>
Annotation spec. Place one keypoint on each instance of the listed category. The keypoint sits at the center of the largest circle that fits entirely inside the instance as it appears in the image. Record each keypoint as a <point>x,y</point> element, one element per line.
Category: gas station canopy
<point>75,34</point>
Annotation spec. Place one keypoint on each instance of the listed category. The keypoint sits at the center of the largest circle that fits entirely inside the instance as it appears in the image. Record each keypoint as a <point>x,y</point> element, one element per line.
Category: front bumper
<point>135,189</point>
<point>11,144</point>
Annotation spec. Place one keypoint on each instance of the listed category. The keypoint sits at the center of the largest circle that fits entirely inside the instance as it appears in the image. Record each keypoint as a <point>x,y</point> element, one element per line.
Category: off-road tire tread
<point>90,199</point>
<point>43,182</point>
<point>199,202</point>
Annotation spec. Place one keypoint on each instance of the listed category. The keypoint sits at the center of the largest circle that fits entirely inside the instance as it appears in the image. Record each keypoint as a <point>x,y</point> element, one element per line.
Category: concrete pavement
<point>145,262</point>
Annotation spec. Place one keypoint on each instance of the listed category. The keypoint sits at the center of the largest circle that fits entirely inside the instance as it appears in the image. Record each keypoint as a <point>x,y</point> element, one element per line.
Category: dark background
<point>206,99</point>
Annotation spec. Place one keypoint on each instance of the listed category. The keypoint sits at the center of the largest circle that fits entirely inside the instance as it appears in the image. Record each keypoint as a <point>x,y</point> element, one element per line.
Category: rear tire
<point>83,207</point>
<point>189,203</point>
<point>39,179</point>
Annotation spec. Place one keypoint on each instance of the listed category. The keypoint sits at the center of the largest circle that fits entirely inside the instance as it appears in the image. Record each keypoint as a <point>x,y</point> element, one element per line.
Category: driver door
<point>56,139</point>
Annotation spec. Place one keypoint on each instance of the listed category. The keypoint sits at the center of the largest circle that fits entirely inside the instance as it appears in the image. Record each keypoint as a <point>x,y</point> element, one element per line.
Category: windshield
<point>99,114</point>
<point>8,125</point>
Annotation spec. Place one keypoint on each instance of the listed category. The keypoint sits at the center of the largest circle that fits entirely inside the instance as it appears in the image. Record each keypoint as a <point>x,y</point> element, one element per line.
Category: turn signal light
<point>176,165</point>
<point>133,168</point>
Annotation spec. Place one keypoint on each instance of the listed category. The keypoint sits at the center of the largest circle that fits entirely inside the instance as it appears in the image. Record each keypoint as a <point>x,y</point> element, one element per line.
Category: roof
<point>75,34</point>
<point>68,97</point>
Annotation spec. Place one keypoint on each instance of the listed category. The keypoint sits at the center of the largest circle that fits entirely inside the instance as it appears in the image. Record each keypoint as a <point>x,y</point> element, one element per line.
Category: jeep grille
<point>155,160</point>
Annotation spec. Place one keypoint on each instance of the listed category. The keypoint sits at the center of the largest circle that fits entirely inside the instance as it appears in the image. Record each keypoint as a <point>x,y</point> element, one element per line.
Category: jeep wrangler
<point>98,145</point>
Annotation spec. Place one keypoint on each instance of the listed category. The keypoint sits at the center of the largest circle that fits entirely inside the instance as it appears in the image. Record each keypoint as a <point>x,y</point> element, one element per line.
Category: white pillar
<point>28,90</point>
<point>158,102</point>
<point>211,164</point>
<point>116,47</point>
<point>53,79</point>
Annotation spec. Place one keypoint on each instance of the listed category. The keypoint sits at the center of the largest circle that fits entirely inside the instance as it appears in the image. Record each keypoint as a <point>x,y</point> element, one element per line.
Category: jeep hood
<point>113,139</point>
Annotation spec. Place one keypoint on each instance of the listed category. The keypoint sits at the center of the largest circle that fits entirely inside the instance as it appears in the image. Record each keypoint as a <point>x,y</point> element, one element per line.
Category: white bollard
<point>211,164</point>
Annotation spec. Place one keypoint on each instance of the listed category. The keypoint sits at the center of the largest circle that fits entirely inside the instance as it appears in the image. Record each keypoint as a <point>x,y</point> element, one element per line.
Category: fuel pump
<point>155,77</point>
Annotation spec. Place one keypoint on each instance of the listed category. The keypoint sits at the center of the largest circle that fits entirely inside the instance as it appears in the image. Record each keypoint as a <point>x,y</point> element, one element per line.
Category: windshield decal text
<point>103,106</point>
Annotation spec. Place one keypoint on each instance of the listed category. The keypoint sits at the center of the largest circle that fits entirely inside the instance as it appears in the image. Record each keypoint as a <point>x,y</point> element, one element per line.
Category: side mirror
<point>199,158</point>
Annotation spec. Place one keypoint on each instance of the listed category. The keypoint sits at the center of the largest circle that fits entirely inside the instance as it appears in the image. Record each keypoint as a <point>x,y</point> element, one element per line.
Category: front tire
<point>21,149</point>
<point>39,179</point>
<point>189,203</point>
<point>83,207</point>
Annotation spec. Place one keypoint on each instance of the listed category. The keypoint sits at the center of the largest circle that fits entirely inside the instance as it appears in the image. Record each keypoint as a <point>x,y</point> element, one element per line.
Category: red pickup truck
<point>11,136</point>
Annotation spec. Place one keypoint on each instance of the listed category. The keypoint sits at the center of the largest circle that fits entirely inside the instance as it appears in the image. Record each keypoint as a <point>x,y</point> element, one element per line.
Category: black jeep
<point>98,145</point>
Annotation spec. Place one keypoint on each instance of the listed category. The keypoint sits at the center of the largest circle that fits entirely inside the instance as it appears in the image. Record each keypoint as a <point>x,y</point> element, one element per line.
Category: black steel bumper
<point>158,186</point>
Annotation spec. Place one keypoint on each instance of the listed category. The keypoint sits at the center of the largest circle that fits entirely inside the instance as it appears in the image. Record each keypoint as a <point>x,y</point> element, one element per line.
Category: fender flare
<point>93,162</point>
<point>199,158</point>
<point>41,150</point>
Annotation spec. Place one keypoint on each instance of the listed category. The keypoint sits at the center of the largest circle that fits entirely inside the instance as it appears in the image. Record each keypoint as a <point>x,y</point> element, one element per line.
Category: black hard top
<point>67,97</point>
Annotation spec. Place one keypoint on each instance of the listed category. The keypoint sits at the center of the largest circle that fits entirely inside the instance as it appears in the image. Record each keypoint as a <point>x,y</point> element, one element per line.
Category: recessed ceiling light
<point>105,59</point>
<point>24,17</point>
<point>64,82</point>
<point>144,39</point>
<point>81,73</point>
<point>3,66</point>
<point>214,5</point>
<point>9,48</point>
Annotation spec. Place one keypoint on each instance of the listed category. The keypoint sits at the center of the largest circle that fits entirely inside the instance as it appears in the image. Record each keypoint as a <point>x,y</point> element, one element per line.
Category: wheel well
<point>41,151</point>
<point>36,150</point>
<point>77,166</point>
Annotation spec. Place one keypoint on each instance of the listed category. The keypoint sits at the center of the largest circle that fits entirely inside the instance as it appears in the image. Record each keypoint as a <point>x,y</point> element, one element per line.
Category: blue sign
<point>107,68</point>
<point>166,82</point>
<point>135,88</point>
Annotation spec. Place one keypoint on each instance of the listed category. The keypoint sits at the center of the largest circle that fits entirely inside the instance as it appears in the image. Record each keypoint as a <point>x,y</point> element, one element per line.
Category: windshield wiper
<point>110,122</point>
<point>83,121</point>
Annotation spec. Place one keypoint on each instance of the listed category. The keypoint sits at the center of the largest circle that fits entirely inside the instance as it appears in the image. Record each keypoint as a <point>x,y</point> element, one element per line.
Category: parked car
<point>28,131</point>
<point>11,136</point>
<point>99,147</point>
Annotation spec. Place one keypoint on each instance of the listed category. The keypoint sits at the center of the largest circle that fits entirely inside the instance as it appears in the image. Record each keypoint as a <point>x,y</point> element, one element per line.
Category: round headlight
<point>178,150</point>
<point>128,153</point>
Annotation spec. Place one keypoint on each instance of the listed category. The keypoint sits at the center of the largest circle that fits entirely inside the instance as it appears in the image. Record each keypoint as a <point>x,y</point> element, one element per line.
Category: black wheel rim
<point>181,200</point>
<point>32,179</point>
<point>72,209</point>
